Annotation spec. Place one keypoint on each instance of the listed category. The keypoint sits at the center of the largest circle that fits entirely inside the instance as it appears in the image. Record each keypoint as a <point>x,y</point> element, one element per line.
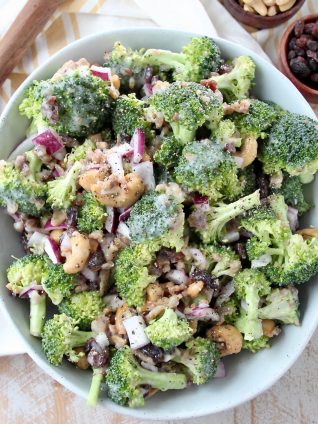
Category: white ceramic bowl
<point>247,375</point>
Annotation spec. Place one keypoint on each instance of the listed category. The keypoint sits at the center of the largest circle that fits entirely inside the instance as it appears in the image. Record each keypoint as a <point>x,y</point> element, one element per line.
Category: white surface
<point>248,375</point>
<point>10,342</point>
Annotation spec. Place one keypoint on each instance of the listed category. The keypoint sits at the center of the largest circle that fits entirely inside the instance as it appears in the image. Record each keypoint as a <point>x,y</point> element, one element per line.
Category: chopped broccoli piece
<point>169,153</point>
<point>232,311</point>
<point>57,284</point>
<point>250,286</point>
<point>227,133</point>
<point>247,179</point>
<point>79,153</point>
<point>257,344</point>
<point>83,307</point>
<point>257,121</point>
<point>92,214</point>
<point>169,330</point>
<point>60,336</point>
<point>187,106</point>
<point>221,260</point>
<point>205,167</point>
<point>281,305</point>
<point>209,221</point>
<point>157,218</point>
<point>81,103</point>
<point>292,146</point>
<point>31,107</point>
<point>235,85</point>
<point>34,163</point>
<point>16,189</point>
<point>62,190</point>
<point>25,278</point>
<point>125,376</point>
<point>201,358</point>
<point>131,273</point>
<point>198,59</point>
<point>292,190</point>
<point>130,114</point>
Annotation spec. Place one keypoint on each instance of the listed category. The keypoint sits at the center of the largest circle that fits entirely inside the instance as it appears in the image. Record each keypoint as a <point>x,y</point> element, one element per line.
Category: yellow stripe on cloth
<point>56,36</point>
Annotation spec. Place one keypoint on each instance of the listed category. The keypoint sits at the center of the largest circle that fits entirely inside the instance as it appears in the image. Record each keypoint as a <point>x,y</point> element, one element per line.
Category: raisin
<point>312,55</point>
<point>302,42</point>
<point>299,28</point>
<point>309,28</point>
<point>225,68</point>
<point>299,67</point>
<point>313,65</point>
<point>292,54</point>
<point>312,45</point>
<point>314,77</point>
<point>96,260</point>
<point>71,214</point>
<point>292,43</point>
<point>154,352</point>
<point>300,52</point>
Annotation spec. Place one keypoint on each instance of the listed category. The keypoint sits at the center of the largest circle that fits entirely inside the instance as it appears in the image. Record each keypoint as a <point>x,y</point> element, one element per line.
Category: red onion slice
<point>138,145</point>
<point>123,230</point>
<point>198,199</point>
<point>25,293</point>
<point>89,274</point>
<point>135,328</point>
<point>145,171</point>
<point>147,87</point>
<point>116,163</point>
<point>261,261</point>
<point>50,140</point>
<point>292,215</point>
<point>49,227</point>
<point>125,214</point>
<point>99,71</point>
<point>220,371</point>
<point>123,150</point>
<point>37,241</point>
<point>111,223</point>
<point>177,276</point>
<point>52,250</point>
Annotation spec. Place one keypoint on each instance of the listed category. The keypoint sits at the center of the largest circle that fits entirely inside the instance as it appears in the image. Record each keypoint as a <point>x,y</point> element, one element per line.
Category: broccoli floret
<point>79,153</point>
<point>128,64</point>
<point>58,284</point>
<point>198,59</point>
<point>91,215</point>
<point>201,358</point>
<point>131,273</point>
<point>209,221</point>
<point>250,285</point>
<point>157,218</point>
<point>187,106</point>
<point>235,85</point>
<point>281,305</point>
<point>227,133</point>
<point>62,190</point>
<point>257,121</point>
<point>26,276</point>
<point>292,190</point>
<point>247,179</point>
<point>129,114</point>
<point>257,344</point>
<point>169,330</point>
<point>16,189</point>
<point>295,263</point>
<point>31,107</point>
<point>169,153</point>
<point>292,146</point>
<point>125,376</point>
<point>205,167</point>
<point>221,260</point>
<point>34,164</point>
<point>60,336</point>
<point>231,310</point>
<point>81,103</point>
<point>83,307</point>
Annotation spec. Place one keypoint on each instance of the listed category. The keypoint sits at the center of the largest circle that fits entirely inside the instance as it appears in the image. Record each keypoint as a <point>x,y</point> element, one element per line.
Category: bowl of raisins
<point>298,56</point>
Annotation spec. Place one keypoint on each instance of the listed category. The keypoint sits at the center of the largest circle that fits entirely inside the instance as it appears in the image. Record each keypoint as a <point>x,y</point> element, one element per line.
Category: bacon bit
<point>209,84</point>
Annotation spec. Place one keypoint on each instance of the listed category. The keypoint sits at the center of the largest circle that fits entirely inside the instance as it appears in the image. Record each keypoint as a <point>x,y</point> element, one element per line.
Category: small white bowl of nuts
<point>263,13</point>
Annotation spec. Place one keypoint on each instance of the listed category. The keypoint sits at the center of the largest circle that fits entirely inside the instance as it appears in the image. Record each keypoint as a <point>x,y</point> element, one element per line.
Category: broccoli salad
<point>158,205</point>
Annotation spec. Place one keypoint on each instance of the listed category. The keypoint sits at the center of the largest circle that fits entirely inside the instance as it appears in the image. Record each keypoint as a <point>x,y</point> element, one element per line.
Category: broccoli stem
<point>96,383</point>
<point>181,133</point>
<point>162,380</point>
<point>79,338</point>
<point>37,313</point>
<point>164,57</point>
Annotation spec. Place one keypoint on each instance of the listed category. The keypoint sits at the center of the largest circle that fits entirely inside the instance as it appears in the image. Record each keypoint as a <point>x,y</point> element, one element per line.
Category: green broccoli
<point>81,103</point>
<point>257,121</point>
<point>129,114</point>
<point>281,305</point>
<point>247,179</point>
<point>79,153</point>
<point>201,359</point>
<point>83,307</point>
<point>292,190</point>
<point>257,344</point>
<point>169,330</point>
<point>57,284</point>
<point>221,260</point>
<point>187,106</point>
<point>227,133</point>
<point>250,285</point>
<point>91,215</point>
<point>292,146</point>
<point>157,218</point>
<point>235,85</point>
<point>26,276</point>
<point>131,273</point>
<point>62,190</point>
<point>198,59</point>
<point>169,153</point>
<point>60,336</point>
<point>34,164</point>
<point>16,189</point>
<point>231,310</point>
<point>31,107</point>
<point>205,167</point>
<point>209,221</point>
<point>125,376</point>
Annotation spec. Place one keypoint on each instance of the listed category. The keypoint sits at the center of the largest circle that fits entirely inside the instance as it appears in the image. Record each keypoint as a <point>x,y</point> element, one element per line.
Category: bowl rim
<point>42,363</point>
<point>284,52</point>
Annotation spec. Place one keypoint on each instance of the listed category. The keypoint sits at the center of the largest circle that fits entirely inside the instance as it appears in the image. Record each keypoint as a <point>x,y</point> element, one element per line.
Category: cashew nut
<point>55,235</point>
<point>272,11</point>
<point>226,335</point>
<point>77,258</point>
<point>194,289</point>
<point>90,177</point>
<point>248,152</point>
<point>119,191</point>
<point>308,232</point>
<point>286,6</point>
<point>258,6</point>
<point>269,328</point>
<point>154,292</point>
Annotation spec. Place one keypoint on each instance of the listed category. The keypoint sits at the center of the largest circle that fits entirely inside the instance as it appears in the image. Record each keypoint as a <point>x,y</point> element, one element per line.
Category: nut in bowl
<point>298,56</point>
<point>181,295</point>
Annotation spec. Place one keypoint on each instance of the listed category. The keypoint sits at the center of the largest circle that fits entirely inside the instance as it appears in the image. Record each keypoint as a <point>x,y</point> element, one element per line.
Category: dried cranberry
<point>292,54</point>
<point>225,68</point>
<point>300,52</point>
<point>299,28</point>
<point>96,260</point>
<point>302,42</point>
<point>309,28</point>
<point>312,55</point>
<point>148,74</point>
<point>313,65</point>
<point>209,84</point>
<point>312,45</point>
<point>300,67</point>
<point>97,356</point>
<point>241,251</point>
<point>154,352</point>
<point>292,43</point>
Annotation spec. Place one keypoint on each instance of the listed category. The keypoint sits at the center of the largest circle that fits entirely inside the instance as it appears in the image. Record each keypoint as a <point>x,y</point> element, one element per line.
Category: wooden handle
<point>22,33</point>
